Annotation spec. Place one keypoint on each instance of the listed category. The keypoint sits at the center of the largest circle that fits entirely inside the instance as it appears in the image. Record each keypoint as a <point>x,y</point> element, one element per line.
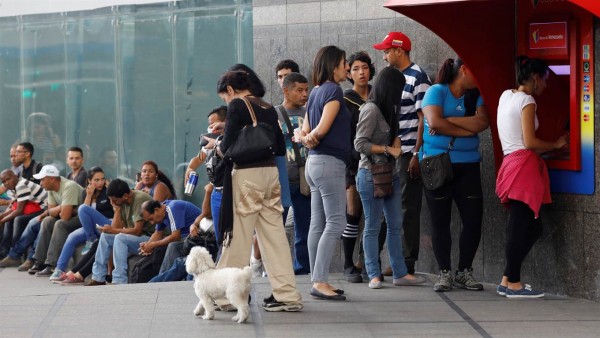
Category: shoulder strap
<point>36,168</point>
<point>286,119</point>
<point>354,103</point>
<point>251,111</point>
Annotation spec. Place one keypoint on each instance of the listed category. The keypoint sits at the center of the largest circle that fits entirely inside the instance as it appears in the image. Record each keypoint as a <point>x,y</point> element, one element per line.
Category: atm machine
<point>490,34</point>
<point>562,34</point>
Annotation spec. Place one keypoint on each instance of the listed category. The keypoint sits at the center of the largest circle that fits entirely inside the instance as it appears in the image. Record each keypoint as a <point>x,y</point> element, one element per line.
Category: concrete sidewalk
<point>33,307</point>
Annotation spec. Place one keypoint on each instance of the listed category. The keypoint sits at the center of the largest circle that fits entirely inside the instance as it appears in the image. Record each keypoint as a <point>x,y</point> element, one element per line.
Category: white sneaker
<point>257,267</point>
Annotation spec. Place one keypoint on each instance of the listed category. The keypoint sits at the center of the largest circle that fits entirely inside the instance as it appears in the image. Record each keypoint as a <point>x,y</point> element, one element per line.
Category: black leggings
<point>465,190</point>
<point>522,232</point>
<point>85,264</point>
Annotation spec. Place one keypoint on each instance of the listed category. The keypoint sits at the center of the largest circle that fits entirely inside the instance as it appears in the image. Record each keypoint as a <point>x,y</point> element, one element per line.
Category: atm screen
<point>554,106</point>
<point>561,69</point>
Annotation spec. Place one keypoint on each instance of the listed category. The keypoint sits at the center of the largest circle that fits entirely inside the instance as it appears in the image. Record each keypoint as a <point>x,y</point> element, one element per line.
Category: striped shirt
<point>26,190</point>
<point>417,83</point>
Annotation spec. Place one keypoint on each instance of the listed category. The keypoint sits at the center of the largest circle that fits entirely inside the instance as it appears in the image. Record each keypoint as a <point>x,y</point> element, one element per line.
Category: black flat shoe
<point>339,291</point>
<point>318,295</point>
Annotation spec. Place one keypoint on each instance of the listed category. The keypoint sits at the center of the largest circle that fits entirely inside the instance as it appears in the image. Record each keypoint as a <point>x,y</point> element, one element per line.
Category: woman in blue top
<point>446,117</point>
<point>327,134</point>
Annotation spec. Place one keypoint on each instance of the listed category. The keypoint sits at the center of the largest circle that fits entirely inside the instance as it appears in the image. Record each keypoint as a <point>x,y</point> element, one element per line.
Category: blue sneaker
<point>526,292</point>
<point>501,290</point>
<point>86,247</point>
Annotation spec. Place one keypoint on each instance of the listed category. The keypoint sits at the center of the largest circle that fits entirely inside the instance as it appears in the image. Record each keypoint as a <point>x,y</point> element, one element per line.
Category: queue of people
<point>333,156</point>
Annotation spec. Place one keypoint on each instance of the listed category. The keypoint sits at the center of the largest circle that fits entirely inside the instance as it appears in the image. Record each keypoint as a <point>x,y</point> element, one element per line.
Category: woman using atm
<point>523,184</point>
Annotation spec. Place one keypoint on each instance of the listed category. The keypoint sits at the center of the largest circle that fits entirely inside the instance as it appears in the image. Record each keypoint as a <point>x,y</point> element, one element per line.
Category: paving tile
<point>516,310</point>
<point>448,329</point>
<point>519,329</point>
<point>35,307</point>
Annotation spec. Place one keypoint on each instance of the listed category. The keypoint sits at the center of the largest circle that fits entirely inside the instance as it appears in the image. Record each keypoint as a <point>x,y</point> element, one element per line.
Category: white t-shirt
<point>510,126</point>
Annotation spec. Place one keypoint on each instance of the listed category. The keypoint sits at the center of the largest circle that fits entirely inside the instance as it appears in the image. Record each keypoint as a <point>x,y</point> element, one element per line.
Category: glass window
<point>126,84</point>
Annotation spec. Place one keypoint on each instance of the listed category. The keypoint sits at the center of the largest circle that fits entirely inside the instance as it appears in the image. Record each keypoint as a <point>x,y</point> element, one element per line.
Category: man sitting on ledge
<point>123,236</point>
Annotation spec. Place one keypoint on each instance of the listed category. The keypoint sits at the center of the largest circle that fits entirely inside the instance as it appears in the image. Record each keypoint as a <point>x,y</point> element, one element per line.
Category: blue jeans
<point>284,181</point>
<point>301,205</point>
<point>14,229</point>
<point>75,238</point>
<point>173,252</point>
<point>89,217</point>
<point>28,238</point>
<point>326,176</point>
<point>215,207</point>
<point>392,210</point>
<point>175,273</point>
<point>122,245</point>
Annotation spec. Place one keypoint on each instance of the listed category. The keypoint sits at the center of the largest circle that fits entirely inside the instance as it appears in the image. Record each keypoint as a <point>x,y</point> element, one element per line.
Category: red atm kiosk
<point>489,34</point>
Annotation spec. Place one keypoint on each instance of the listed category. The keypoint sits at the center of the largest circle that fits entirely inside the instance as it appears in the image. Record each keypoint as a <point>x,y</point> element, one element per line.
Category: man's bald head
<point>9,179</point>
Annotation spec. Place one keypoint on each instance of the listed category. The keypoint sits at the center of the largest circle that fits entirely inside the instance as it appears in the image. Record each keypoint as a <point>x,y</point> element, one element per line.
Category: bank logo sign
<point>548,35</point>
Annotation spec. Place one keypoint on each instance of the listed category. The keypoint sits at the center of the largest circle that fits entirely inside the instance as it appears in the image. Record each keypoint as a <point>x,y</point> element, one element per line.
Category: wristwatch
<point>415,153</point>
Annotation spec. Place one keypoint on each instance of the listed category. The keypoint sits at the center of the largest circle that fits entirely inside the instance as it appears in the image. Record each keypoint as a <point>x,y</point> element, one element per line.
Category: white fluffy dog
<point>210,284</point>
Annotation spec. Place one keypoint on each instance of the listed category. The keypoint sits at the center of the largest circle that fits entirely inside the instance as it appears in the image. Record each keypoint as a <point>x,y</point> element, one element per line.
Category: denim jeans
<point>301,205</point>
<point>465,190</point>
<point>28,238</point>
<point>75,238</point>
<point>326,177</point>
<point>284,181</point>
<point>100,267</point>
<point>176,272</point>
<point>215,207</point>
<point>122,245</point>
<point>20,223</point>
<point>393,217</point>
<point>173,252</point>
<point>89,217</point>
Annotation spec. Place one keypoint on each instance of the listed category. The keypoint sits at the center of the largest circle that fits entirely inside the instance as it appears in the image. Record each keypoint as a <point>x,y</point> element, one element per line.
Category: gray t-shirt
<point>372,129</point>
<point>296,119</point>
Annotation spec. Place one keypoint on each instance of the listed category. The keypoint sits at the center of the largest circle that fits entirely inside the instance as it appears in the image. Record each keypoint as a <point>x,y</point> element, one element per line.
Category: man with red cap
<point>396,51</point>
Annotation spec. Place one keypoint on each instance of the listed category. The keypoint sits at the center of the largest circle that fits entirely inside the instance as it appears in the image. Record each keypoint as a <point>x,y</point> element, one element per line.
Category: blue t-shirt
<point>179,215</point>
<point>337,142</point>
<point>466,149</point>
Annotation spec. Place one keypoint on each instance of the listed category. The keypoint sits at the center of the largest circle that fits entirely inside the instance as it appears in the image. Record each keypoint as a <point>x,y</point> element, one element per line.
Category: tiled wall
<point>566,258</point>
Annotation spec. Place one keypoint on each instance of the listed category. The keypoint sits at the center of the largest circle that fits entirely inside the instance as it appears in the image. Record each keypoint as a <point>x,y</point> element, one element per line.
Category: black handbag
<point>255,141</point>
<point>437,170</point>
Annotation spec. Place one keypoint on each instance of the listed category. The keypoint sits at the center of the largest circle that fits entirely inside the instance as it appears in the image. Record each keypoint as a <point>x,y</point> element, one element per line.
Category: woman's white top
<point>510,126</point>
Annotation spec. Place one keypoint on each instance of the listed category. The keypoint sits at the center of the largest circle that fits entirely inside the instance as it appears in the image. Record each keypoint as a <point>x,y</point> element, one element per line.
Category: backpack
<point>205,239</point>
<point>148,266</point>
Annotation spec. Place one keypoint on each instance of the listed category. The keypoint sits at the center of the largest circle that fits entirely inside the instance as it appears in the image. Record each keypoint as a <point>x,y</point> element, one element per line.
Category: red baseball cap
<point>394,40</point>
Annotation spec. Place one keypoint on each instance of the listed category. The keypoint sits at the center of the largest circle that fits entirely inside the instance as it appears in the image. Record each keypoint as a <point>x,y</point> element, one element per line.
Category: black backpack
<point>148,266</point>
<point>205,239</point>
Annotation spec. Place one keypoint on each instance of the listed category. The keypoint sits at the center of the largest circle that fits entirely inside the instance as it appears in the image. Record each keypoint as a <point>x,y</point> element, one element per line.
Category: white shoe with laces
<point>257,267</point>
